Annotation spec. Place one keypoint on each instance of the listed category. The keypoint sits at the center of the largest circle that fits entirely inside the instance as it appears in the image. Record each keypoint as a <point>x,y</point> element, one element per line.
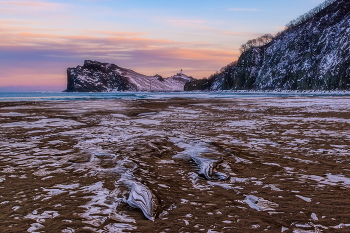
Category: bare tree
<point>260,41</point>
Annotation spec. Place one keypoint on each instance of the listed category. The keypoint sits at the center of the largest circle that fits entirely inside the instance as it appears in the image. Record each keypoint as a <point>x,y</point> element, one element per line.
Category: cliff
<point>96,76</point>
<point>314,55</point>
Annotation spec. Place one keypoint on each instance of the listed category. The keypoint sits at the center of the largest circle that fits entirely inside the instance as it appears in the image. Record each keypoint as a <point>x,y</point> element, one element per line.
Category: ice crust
<point>105,145</point>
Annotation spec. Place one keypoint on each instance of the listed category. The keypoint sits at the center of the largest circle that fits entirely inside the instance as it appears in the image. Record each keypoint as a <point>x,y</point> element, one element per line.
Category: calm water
<point>57,96</point>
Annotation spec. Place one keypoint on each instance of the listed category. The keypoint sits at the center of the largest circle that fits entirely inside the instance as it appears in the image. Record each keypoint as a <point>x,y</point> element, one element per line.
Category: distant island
<point>96,76</point>
<point>312,53</point>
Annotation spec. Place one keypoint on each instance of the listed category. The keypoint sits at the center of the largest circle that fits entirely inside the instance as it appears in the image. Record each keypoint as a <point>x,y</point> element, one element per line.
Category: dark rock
<point>96,76</point>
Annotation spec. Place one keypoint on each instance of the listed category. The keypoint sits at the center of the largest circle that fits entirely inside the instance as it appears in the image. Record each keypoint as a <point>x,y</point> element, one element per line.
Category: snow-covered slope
<point>95,76</point>
<point>314,55</point>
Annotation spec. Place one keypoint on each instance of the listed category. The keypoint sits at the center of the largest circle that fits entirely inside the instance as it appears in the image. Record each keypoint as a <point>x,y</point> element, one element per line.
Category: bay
<point>64,96</point>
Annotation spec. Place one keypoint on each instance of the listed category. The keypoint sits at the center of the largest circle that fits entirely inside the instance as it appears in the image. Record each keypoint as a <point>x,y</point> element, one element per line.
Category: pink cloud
<point>35,4</point>
<point>180,21</point>
<point>243,34</point>
<point>242,9</point>
<point>112,33</point>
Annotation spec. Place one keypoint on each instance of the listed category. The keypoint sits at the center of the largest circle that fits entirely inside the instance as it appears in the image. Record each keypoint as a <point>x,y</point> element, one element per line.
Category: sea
<point>66,96</point>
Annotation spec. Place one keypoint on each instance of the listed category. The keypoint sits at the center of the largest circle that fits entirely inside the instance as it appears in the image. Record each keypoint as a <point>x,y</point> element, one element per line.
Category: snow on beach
<point>67,164</point>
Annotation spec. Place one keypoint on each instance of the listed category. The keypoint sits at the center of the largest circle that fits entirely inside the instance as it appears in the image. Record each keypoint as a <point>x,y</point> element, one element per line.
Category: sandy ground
<point>63,165</point>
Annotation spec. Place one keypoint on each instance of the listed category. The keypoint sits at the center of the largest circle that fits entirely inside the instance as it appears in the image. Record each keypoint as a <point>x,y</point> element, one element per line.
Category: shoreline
<point>66,96</point>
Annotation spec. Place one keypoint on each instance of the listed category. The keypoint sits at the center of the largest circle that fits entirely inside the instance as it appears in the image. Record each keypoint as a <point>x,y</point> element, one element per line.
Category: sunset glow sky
<point>39,40</point>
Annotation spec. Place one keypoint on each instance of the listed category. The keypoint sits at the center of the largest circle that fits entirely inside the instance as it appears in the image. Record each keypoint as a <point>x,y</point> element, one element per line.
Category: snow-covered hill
<point>314,55</point>
<point>95,76</point>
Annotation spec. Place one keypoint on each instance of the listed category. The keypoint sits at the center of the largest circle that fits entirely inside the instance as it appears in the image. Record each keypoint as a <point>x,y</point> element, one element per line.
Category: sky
<point>40,39</point>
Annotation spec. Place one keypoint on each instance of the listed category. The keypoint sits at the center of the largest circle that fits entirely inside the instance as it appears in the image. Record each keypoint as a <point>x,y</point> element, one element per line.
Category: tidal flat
<point>64,165</point>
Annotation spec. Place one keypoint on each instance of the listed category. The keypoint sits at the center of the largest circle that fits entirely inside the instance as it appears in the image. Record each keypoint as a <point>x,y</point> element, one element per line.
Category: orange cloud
<point>281,28</point>
<point>203,54</point>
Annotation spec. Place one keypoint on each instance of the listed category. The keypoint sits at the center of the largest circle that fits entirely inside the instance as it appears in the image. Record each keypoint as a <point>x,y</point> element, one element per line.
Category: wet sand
<point>64,165</point>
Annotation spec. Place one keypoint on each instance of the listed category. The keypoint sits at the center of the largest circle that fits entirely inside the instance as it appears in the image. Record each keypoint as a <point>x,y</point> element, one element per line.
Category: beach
<point>65,165</point>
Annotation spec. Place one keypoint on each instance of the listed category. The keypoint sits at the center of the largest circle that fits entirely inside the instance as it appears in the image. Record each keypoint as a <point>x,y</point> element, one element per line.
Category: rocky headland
<point>311,54</point>
<point>96,76</point>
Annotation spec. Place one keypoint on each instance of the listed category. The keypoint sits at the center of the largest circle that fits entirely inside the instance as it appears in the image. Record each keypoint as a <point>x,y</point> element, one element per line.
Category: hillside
<point>96,76</point>
<point>313,55</point>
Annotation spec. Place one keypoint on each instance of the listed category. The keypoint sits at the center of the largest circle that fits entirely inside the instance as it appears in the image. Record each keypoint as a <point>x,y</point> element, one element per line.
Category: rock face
<point>315,55</point>
<point>95,76</point>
